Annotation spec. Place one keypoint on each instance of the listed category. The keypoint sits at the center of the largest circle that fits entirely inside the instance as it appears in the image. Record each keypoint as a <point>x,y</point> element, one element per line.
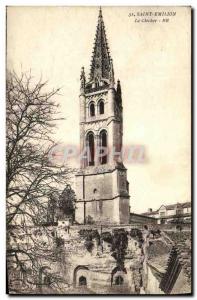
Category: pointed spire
<point>118,87</point>
<point>101,61</point>
<point>100,12</point>
<point>119,93</point>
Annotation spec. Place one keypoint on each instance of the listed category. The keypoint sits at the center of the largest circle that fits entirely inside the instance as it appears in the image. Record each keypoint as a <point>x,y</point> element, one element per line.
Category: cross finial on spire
<point>100,12</point>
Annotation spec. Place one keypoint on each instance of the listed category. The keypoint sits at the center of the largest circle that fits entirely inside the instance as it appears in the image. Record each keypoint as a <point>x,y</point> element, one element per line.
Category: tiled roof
<point>169,207</point>
<point>178,205</point>
<point>150,213</point>
<point>141,215</point>
<point>176,216</point>
<point>186,204</point>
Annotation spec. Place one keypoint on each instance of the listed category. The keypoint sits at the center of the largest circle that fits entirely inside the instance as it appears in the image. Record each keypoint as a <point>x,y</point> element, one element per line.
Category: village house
<point>169,214</point>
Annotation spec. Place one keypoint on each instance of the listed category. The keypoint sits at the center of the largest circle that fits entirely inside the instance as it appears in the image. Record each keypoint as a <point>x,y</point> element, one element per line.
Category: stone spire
<point>101,63</point>
<point>82,80</point>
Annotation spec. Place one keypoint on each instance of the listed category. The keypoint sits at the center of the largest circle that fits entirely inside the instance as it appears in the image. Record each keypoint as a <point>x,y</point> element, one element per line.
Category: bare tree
<point>32,179</point>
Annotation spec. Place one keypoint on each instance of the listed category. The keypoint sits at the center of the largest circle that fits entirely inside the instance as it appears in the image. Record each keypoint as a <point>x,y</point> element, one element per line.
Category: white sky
<point>152,62</point>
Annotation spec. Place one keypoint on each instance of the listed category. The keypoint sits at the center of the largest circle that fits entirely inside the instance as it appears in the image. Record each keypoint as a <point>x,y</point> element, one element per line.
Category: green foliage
<point>67,200</point>
<point>89,245</point>
<point>107,237</point>
<point>136,233</point>
<point>89,235</point>
<point>59,242</point>
<point>89,220</point>
<point>119,245</point>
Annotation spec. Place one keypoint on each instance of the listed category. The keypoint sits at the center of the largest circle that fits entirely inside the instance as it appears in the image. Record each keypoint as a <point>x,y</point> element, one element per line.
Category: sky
<point>152,61</point>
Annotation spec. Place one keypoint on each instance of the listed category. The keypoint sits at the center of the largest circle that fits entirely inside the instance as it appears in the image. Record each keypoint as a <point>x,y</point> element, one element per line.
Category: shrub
<point>59,241</point>
<point>89,220</point>
<point>107,237</point>
<point>136,233</point>
<point>89,245</point>
<point>119,245</point>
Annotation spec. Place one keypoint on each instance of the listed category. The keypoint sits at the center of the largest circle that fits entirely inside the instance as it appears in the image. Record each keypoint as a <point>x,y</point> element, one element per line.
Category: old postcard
<point>99,150</point>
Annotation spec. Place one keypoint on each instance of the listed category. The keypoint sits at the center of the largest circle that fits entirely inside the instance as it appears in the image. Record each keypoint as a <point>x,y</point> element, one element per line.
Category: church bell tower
<point>102,188</point>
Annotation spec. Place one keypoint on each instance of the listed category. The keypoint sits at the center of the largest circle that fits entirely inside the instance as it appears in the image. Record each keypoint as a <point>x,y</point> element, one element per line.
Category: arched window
<point>82,280</point>
<point>103,143</point>
<point>101,108</point>
<point>92,110</point>
<point>90,145</point>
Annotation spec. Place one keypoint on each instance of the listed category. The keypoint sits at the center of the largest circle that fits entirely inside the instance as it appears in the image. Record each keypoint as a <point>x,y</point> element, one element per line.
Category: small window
<point>92,110</point>
<point>101,108</point>
<point>82,280</point>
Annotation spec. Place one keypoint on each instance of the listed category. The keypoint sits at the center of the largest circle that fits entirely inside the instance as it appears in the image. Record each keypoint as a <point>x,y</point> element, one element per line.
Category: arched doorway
<point>118,276</point>
<point>82,281</point>
<point>119,280</point>
<point>80,276</point>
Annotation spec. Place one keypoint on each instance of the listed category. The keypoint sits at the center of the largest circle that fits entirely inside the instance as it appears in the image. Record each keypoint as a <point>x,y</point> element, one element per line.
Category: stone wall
<point>91,259</point>
<point>105,200</point>
<point>98,268</point>
<point>141,219</point>
<point>152,283</point>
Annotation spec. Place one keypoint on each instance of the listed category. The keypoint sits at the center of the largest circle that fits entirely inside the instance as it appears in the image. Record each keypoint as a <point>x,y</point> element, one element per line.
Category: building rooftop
<point>168,207</point>
<point>148,213</point>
